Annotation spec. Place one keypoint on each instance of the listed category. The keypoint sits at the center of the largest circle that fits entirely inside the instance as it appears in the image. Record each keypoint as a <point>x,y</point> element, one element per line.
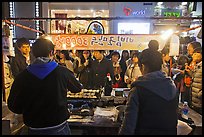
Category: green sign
<point>172,14</point>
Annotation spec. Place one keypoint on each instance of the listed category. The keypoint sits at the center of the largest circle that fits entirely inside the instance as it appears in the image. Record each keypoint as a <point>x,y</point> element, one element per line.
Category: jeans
<point>60,130</point>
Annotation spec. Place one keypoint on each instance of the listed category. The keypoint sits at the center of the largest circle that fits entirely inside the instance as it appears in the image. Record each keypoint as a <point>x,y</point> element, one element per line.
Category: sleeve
<point>15,99</point>
<point>14,67</point>
<point>131,114</point>
<point>73,84</point>
<point>126,76</point>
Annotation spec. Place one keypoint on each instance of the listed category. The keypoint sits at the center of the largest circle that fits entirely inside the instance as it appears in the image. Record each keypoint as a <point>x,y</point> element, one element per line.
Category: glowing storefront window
<point>133,28</point>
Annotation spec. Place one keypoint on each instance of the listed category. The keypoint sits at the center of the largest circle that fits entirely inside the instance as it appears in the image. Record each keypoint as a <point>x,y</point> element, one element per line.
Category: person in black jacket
<point>23,56</point>
<point>101,66</point>
<point>152,102</point>
<point>84,71</point>
<point>40,92</point>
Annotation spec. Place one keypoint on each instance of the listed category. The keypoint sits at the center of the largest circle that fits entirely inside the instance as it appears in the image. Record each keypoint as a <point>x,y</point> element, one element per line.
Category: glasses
<point>85,52</point>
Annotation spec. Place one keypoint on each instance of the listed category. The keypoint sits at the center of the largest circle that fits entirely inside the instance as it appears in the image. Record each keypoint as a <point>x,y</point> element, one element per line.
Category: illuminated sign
<point>104,41</point>
<point>129,11</point>
<point>171,12</point>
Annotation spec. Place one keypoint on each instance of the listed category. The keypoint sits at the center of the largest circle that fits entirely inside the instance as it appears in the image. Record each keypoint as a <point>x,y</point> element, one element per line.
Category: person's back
<point>158,104</point>
<point>152,102</point>
<point>40,92</point>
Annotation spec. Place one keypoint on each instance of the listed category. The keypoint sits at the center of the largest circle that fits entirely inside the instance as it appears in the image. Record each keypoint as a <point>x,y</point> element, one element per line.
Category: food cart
<point>91,112</point>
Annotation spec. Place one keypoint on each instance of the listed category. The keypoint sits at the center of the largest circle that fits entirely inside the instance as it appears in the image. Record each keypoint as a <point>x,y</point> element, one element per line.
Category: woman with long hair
<point>65,60</point>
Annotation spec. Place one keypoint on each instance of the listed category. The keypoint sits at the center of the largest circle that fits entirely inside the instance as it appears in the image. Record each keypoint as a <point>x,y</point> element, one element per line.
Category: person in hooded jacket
<point>152,103</point>
<point>40,92</point>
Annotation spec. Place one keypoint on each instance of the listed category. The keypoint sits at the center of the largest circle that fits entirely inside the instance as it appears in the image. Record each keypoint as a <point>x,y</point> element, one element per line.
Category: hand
<point>128,81</point>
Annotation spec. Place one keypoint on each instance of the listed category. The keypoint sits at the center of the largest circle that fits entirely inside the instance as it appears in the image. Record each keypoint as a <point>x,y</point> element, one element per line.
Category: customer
<point>40,92</point>
<point>191,47</point>
<point>133,71</point>
<point>178,71</point>
<point>84,71</point>
<point>115,56</point>
<point>124,58</point>
<point>152,102</point>
<point>23,56</point>
<point>196,86</point>
<point>167,61</point>
<point>66,60</point>
<point>101,66</point>
<point>190,66</point>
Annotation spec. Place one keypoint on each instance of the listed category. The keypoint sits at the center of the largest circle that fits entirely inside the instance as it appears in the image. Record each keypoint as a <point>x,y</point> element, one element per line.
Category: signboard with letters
<point>171,13</point>
<point>105,41</point>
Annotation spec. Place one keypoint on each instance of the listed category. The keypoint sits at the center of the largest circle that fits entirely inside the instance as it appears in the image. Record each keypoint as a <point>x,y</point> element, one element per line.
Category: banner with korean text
<point>105,41</point>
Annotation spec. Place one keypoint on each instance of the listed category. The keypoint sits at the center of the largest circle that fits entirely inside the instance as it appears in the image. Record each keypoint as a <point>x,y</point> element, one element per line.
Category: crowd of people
<point>140,71</point>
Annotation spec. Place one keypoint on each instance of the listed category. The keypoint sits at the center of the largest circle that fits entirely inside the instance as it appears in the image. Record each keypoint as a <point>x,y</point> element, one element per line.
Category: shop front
<point>132,9</point>
<point>74,10</point>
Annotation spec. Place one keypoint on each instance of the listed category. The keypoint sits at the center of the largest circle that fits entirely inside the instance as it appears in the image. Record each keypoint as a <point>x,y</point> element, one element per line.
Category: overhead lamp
<point>167,34</point>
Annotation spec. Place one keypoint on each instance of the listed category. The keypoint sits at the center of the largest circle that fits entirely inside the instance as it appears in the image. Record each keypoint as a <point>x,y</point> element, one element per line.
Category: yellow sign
<point>104,41</point>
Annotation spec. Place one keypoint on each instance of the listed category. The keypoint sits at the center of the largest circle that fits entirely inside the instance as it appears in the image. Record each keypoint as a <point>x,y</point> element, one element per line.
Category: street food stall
<point>91,111</point>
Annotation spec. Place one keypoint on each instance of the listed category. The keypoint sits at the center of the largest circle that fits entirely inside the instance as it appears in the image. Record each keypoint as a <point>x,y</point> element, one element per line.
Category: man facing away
<point>40,92</point>
<point>152,102</point>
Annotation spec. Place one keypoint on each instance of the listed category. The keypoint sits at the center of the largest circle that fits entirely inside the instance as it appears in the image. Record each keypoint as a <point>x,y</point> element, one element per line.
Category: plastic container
<point>185,108</point>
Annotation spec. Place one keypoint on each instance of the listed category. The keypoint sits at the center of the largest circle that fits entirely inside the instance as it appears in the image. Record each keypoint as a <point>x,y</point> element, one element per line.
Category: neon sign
<point>171,12</point>
<point>129,11</point>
